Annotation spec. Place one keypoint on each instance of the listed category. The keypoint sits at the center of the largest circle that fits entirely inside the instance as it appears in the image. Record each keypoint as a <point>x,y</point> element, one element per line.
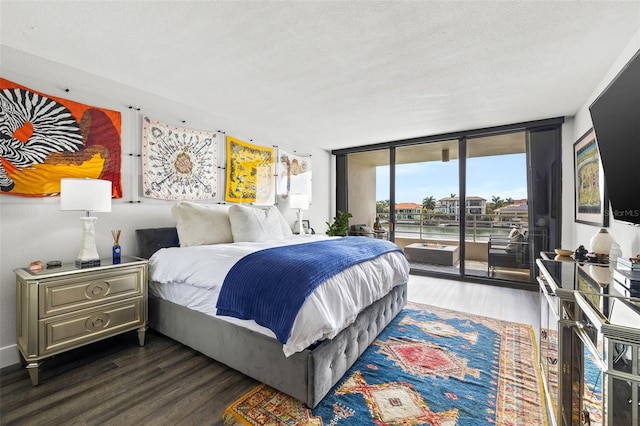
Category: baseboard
<point>9,356</point>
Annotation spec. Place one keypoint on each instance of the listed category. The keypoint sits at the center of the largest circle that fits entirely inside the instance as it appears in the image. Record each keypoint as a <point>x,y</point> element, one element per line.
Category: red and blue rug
<point>430,366</point>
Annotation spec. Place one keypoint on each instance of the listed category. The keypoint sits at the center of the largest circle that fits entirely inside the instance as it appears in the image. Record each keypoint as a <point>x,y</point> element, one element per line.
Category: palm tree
<point>497,202</point>
<point>382,206</point>
<point>429,203</point>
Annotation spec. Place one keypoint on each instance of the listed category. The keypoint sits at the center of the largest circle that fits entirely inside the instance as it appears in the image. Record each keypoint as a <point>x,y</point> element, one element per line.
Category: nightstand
<point>63,308</point>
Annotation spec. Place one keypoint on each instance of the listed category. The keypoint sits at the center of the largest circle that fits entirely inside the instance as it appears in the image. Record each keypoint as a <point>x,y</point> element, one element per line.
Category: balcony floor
<point>474,268</point>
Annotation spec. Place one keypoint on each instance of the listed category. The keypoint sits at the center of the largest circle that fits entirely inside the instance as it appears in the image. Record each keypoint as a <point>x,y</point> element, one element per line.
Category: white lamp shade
<point>90,195</point>
<point>299,201</point>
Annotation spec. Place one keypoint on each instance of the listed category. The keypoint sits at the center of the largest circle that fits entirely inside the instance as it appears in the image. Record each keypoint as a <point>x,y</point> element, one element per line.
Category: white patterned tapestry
<point>294,174</point>
<point>178,163</point>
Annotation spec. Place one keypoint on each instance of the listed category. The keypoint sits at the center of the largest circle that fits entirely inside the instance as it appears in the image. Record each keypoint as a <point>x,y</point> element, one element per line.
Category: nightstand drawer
<point>64,332</point>
<point>58,297</point>
<point>63,308</point>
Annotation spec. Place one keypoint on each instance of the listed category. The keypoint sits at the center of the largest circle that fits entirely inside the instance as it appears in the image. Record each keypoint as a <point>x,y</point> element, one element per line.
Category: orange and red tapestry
<point>44,139</point>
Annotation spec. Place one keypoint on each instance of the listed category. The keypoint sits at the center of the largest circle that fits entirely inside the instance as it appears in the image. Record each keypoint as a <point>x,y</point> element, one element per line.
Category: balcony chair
<point>510,251</point>
<point>366,231</point>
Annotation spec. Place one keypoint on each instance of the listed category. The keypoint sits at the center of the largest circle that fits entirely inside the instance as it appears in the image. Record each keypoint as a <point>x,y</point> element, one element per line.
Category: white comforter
<point>332,307</point>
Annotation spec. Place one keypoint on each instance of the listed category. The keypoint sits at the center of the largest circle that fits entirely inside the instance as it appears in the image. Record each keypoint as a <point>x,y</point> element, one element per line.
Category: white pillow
<point>200,224</point>
<point>286,230</point>
<point>516,242</point>
<point>250,223</point>
<point>513,232</point>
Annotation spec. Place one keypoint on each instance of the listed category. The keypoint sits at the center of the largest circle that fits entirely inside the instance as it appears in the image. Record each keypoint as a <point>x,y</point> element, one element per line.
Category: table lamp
<point>300,202</point>
<point>89,195</point>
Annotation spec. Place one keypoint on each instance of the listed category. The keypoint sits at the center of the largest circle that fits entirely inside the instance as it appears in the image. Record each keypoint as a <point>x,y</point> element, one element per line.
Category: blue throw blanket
<point>269,286</point>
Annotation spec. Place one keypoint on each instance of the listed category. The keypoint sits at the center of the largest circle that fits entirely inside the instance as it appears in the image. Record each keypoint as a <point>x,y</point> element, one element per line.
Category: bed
<point>181,305</point>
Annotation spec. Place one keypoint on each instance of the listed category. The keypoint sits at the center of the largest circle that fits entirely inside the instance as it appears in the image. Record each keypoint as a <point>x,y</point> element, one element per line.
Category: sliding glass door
<point>497,217</point>
<point>369,194</point>
<point>480,204</point>
<point>427,207</point>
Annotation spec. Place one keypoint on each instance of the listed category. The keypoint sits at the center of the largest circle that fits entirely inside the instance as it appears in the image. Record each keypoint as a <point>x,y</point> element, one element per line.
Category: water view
<point>448,232</point>
<point>478,227</point>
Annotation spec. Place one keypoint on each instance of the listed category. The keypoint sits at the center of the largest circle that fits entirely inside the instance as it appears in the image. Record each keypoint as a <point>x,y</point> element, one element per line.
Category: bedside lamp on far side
<point>300,202</point>
<point>89,195</point>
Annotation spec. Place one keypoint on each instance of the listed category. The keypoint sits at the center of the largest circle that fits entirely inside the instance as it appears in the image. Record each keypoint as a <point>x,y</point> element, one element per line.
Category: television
<point>616,122</point>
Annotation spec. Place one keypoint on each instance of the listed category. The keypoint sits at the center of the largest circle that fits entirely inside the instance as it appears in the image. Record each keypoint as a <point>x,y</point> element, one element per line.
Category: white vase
<point>601,242</point>
<point>602,274</point>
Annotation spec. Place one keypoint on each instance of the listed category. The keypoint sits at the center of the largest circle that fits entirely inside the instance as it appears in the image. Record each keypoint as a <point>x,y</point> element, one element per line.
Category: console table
<point>589,345</point>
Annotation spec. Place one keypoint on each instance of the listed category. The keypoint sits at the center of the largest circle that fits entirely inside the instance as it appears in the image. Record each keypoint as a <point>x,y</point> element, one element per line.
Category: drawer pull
<point>97,290</point>
<point>97,322</point>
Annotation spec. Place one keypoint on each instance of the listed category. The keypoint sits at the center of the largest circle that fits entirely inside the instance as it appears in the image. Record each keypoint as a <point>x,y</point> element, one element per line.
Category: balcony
<point>442,229</point>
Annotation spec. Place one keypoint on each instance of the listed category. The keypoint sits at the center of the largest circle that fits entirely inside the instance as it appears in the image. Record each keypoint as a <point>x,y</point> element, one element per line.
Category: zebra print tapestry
<point>44,139</point>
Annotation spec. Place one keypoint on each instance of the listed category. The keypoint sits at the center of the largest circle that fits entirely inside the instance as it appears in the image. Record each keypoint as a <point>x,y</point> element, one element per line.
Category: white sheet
<point>188,272</point>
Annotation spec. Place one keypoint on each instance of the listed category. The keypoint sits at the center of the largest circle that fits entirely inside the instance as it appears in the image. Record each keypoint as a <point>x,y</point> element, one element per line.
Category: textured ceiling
<point>339,74</point>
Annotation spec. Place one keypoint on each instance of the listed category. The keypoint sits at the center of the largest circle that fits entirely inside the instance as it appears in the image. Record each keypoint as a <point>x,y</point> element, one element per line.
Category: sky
<point>504,176</point>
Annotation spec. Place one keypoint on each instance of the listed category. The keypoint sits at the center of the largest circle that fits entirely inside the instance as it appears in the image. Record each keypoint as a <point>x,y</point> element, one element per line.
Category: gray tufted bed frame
<point>308,375</point>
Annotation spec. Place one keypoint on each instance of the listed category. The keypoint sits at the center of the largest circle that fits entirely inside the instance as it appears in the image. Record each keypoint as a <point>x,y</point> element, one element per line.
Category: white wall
<point>35,229</point>
<point>575,234</point>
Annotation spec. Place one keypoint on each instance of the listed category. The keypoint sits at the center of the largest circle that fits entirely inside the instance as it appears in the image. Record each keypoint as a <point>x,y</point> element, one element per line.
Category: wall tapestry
<point>249,173</point>
<point>591,202</point>
<point>178,163</point>
<point>294,175</point>
<point>44,138</point>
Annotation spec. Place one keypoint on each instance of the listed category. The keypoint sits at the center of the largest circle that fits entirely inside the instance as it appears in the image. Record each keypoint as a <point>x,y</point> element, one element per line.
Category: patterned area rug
<point>592,399</point>
<point>429,366</point>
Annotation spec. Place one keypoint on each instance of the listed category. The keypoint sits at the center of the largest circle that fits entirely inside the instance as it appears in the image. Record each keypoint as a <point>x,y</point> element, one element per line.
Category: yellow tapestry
<point>248,172</point>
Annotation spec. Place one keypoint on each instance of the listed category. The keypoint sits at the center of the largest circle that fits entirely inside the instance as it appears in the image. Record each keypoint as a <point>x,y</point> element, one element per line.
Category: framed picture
<point>591,203</point>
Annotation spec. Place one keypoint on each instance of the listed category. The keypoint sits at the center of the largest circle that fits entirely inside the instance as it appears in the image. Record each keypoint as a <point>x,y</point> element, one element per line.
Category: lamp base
<point>88,255</point>
<point>300,227</point>
<point>87,263</point>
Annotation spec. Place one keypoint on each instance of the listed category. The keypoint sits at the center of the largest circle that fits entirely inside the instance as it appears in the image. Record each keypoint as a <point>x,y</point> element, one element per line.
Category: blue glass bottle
<point>116,253</point>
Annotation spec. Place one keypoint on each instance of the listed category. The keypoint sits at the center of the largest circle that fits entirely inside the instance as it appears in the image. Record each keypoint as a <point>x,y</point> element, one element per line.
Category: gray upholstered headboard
<point>153,239</point>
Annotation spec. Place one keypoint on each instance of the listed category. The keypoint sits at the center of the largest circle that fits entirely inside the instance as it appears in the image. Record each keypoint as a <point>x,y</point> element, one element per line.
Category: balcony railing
<point>447,227</point>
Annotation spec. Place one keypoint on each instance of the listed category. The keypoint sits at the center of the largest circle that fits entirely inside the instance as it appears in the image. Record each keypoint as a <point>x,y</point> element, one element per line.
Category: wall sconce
<point>445,155</point>
<point>89,195</point>
<point>300,202</point>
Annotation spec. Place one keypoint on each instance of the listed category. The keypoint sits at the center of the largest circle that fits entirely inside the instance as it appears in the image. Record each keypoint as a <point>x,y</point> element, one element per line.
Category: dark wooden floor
<point>117,382</point>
